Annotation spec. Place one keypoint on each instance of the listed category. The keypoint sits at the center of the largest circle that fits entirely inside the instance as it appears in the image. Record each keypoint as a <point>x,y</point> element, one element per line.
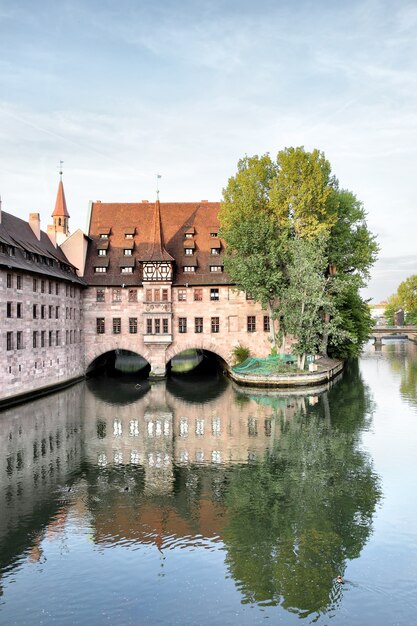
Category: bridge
<point>379,333</point>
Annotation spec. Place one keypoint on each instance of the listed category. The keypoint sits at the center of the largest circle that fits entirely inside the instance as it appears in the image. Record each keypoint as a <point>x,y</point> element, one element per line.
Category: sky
<point>123,90</point>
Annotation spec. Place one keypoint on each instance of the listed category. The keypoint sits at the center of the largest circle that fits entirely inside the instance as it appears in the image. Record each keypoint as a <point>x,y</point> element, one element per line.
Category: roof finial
<point>61,163</point>
<point>158,176</point>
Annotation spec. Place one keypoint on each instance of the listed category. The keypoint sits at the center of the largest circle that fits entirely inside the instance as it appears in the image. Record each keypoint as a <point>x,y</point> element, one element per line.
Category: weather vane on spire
<point>158,176</point>
<point>61,163</point>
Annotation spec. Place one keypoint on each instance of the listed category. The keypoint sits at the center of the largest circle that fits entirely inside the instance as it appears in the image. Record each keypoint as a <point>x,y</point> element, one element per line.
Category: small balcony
<point>157,339</point>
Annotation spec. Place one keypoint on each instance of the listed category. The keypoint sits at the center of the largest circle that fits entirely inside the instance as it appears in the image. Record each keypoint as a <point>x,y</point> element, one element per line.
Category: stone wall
<point>232,308</point>
<point>29,307</point>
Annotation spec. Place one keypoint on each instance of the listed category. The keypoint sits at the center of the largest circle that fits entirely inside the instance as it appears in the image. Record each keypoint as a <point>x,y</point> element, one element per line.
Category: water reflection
<point>277,480</point>
<point>402,357</point>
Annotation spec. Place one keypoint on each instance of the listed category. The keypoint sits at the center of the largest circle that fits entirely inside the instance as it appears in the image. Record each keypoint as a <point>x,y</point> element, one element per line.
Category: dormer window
<point>216,268</point>
<point>215,251</point>
<point>129,232</point>
<point>189,251</point>
<point>188,235</point>
<point>104,233</point>
<point>189,268</point>
<point>127,252</point>
<point>102,252</point>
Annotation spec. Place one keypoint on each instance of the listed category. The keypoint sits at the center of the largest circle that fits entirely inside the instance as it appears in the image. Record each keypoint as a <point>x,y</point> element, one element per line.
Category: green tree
<point>405,298</point>
<point>270,210</point>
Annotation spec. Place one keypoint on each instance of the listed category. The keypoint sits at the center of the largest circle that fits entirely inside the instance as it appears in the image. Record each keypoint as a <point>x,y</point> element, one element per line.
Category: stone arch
<point>110,345</point>
<point>209,346</point>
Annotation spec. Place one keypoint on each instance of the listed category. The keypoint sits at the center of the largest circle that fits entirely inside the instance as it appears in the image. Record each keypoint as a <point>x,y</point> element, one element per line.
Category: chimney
<point>51,232</point>
<point>35,224</point>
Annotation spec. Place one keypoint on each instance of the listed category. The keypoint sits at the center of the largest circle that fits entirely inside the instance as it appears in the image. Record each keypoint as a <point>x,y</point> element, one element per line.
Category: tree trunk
<point>325,339</point>
<point>272,332</point>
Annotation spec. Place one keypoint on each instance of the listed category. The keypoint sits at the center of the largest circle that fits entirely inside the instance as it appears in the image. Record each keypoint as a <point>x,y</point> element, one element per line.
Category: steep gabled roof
<point>157,251</point>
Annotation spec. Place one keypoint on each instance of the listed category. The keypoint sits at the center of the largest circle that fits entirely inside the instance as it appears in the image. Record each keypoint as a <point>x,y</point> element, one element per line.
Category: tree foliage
<point>405,298</point>
<point>287,226</point>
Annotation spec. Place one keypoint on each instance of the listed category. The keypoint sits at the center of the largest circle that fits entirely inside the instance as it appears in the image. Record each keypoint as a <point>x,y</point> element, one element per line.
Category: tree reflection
<point>402,359</point>
<point>300,514</point>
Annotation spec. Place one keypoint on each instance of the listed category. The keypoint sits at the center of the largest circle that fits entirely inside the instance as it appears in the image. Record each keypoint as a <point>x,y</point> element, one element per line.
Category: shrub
<point>241,353</point>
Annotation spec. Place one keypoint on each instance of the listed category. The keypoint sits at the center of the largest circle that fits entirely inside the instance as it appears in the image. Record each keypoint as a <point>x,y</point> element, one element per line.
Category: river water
<point>195,502</point>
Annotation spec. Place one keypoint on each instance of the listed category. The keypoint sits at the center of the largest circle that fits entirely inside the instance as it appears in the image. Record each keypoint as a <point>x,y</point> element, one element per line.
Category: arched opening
<point>196,373</point>
<point>195,361</point>
<point>119,364</point>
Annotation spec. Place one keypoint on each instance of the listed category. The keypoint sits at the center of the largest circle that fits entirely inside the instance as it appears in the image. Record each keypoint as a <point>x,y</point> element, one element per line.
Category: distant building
<point>41,322</point>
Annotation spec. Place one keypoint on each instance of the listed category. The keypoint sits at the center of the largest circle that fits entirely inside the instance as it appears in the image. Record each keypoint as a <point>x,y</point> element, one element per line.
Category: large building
<point>148,278</point>
<point>157,286</point>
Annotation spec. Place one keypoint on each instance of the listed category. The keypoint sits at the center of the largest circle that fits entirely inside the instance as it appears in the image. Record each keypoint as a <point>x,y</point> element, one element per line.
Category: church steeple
<point>60,215</point>
<point>157,263</point>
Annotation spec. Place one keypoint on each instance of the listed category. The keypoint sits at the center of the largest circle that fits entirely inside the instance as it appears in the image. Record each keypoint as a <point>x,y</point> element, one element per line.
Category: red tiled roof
<point>60,204</point>
<point>159,235</point>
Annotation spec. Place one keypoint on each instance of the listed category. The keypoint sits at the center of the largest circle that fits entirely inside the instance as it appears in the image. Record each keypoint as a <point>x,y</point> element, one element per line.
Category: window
<point>70,336</point>
<point>164,295</point>
<point>198,324</point>
<point>189,268</point>
<point>57,289</point>
<point>57,337</point>
<point>165,326</point>
<point>214,294</point>
<point>104,236</point>
<point>19,310</point>
<point>251,323</point>
<point>35,339</point>
<point>182,295</point>
<point>213,233</point>
<point>149,327</point>
<point>66,290</point>
<point>117,295</point>
<point>189,235</point>
<point>249,296</point>
<point>19,284</point>
<point>100,270</point>
<point>189,251</point>
<point>102,252</point>
<point>215,251</point>
<point>198,295</point>
<point>42,286</point>
<point>19,340</point>
<point>117,325</point>
<point>35,284</point>
<point>50,338</point>
<point>133,325</point>
<point>216,268</point>
<point>128,235</point>
<point>50,287</point>
<point>215,324</point>
<point>57,312</point>
<point>66,337</point>
<point>156,295</point>
<point>126,270</point>
<point>182,324</point>
<point>157,326</point>
<point>148,295</point>
<point>133,295</point>
<point>50,310</point>
<point>266,323</point>
<point>127,251</point>
<point>43,339</point>
<point>9,281</point>
<point>9,341</point>
<point>43,311</point>
<point>9,309</point>
<point>100,326</point>
<point>35,311</point>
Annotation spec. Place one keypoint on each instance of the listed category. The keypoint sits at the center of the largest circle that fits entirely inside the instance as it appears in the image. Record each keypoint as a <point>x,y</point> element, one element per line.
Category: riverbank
<point>325,370</point>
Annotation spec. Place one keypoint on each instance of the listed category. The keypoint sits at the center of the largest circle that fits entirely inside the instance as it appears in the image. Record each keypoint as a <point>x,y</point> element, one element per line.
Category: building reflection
<point>41,445</point>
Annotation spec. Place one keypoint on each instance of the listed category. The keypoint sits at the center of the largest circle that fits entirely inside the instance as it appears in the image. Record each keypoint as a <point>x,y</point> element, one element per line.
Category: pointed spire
<point>60,215</point>
<point>157,250</point>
